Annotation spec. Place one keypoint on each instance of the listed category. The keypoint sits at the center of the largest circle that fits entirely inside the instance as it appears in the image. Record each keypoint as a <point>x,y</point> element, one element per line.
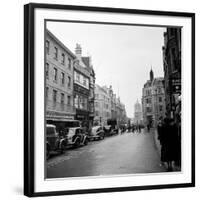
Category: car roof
<point>75,128</point>
<point>50,125</point>
<point>96,127</point>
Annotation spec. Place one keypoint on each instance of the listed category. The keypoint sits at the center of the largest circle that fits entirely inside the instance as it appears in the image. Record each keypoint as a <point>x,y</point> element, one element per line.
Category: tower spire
<point>151,75</point>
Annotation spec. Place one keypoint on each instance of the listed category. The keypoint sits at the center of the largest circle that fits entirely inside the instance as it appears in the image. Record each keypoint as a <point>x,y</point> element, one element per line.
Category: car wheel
<point>86,141</point>
<point>62,147</point>
<point>77,143</point>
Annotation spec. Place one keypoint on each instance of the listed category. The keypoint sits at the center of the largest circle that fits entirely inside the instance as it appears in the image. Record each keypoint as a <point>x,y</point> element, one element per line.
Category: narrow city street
<point>128,153</point>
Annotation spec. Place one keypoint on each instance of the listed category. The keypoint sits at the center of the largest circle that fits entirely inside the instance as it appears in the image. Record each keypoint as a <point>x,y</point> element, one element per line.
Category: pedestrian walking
<point>168,136</point>
<point>148,127</point>
<point>133,128</point>
<point>139,128</point>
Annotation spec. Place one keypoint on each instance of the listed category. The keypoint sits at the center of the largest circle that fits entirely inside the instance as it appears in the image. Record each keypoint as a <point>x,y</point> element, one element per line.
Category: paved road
<point>122,154</point>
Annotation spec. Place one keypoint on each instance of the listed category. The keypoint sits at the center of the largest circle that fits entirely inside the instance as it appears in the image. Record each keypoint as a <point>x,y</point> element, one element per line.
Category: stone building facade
<point>153,100</point>
<point>58,80</point>
<point>137,113</point>
<point>102,105</point>
<point>81,88</point>
<point>108,106</point>
<point>172,69</point>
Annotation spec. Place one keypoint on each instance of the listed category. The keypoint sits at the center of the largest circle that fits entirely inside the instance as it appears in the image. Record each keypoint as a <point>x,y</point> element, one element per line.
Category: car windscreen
<point>94,130</point>
<point>50,130</point>
<point>107,127</point>
<point>71,132</point>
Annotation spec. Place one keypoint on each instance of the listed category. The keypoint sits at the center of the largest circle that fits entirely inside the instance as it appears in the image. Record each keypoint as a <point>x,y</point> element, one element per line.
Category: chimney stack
<point>78,50</point>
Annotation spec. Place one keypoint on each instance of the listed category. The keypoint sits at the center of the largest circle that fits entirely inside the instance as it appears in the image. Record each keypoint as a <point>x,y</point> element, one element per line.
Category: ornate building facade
<point>84,80</point>
<point>153,100</point>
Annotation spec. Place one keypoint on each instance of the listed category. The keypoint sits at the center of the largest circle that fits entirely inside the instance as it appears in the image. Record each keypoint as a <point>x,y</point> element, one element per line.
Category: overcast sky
<point>122,56</point>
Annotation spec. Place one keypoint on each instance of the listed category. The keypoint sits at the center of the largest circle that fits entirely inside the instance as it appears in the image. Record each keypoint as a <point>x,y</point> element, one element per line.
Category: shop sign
<point>176,86</point>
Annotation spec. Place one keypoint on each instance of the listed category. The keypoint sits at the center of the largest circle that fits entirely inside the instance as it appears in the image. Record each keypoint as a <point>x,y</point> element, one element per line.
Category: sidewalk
<point>158,146</point>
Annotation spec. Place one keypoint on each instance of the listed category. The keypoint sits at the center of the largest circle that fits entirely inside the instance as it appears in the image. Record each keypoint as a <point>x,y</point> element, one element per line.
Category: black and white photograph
<point>113,99</point>
<point>109,100</point>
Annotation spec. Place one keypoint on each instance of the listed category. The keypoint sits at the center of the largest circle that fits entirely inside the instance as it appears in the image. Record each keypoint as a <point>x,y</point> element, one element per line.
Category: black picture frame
<point>29,94</point>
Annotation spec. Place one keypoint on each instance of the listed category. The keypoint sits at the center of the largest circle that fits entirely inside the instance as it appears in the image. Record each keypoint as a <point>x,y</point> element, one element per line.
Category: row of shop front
<point>62,119</point>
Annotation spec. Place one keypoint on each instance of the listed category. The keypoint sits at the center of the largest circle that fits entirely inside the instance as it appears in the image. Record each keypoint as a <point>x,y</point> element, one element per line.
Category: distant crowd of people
<point>131,128</point>
<point>170,139</point>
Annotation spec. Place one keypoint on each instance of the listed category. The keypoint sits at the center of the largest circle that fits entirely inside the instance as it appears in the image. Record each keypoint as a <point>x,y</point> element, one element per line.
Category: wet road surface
<point>128,153</point>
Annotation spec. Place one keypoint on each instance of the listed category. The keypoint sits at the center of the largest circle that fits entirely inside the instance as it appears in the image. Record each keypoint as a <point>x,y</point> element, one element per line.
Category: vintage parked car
<point>53,141</point>
<point>110,130</point>
<point>97,133</point>
<point>76,137</point>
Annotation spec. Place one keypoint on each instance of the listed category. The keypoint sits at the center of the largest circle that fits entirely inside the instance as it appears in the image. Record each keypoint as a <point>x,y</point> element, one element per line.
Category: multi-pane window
<point>69,63</point>
<point>77,77</point>
<point>76,101</point>
<point>69,81</point>
<point>80,102</point>
<point>148,100</point>
<point>54,96</point>
<point>83,103</point>
<point>56,53</point>
<point>47,46</point>
<point>63,58</point>
<point>47,70</point>
<point>68,100</point>
<point>148,92</point>
<point>84,81</point>
<point>160,99</point>
<point>148,109</point>
<point>55,74</point>
<point>160,108</point>
<point>62,100</point>
<point>62,78</point>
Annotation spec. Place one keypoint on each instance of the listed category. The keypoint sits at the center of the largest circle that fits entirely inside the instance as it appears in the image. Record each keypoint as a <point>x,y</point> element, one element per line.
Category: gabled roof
<point>60,43</point>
